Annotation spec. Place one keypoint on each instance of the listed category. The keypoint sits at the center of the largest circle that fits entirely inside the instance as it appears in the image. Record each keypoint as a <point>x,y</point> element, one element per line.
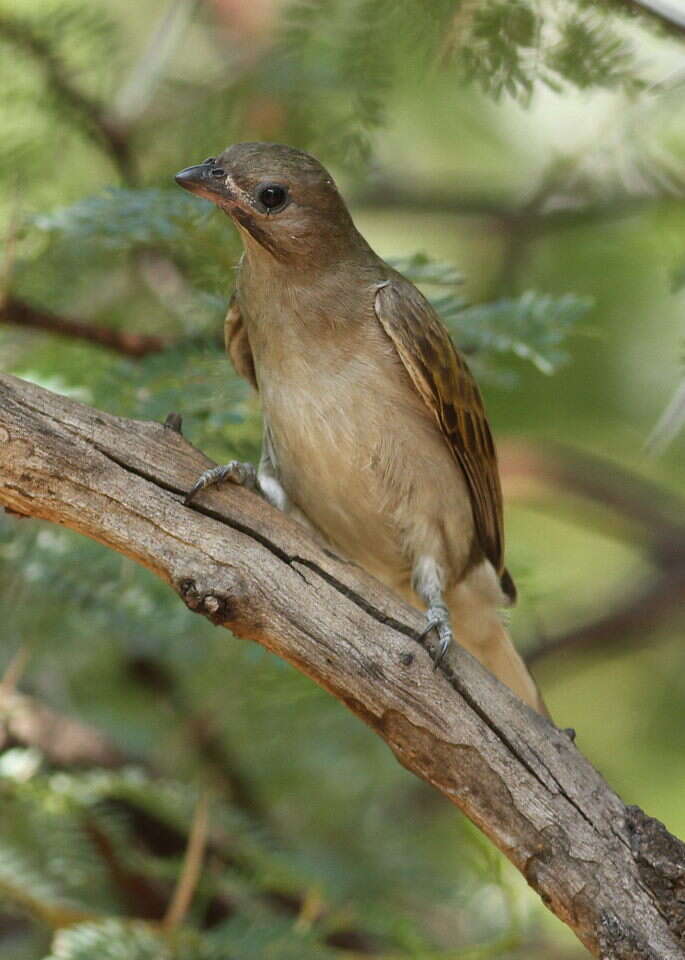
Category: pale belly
<point>370,469</point>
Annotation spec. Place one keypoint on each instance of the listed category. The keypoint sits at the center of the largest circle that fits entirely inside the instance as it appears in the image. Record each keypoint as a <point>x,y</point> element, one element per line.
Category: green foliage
<point>420,269</point>
<point>532,327</point>
<point>678,279</point>
<point>109,940</point>
<point>590,52</point>
<point>56,61</point>
<point>509,47</point>
<point>128,219</point>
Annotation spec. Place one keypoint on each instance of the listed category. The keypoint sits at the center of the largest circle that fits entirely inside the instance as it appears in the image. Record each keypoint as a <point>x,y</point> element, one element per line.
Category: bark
<point>614,875</point>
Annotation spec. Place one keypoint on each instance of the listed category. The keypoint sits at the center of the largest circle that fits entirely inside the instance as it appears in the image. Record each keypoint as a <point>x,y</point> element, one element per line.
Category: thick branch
<point>246,567</point>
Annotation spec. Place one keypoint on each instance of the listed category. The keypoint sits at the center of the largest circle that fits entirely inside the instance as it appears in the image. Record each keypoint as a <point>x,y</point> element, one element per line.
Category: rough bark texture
<point>614,875</point>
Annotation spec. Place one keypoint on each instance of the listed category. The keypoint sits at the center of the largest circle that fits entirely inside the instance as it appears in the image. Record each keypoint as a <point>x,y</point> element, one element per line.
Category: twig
<point>96,123</point>
<point>669,424</point>
<point>15,669</point>
<point>659,514</point>
<point>628,623</point>
<point>192,865</point>
<point>136,93</point>
<point>670,15</point>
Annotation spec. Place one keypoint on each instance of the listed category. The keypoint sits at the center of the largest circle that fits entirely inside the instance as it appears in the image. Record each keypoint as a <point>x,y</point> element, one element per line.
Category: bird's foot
<point>438,618</point>
<point>236,471</point>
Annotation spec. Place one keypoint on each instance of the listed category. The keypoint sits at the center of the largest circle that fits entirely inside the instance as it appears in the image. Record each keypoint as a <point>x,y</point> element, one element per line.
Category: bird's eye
<point>218,172</point>
<point>272,196</point>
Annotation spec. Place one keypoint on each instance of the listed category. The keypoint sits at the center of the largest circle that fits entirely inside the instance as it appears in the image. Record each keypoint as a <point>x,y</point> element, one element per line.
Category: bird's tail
<point>478,627</point>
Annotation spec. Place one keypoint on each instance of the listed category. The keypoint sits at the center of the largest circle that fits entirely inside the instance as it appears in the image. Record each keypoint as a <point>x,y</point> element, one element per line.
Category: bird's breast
<point>355,447</point>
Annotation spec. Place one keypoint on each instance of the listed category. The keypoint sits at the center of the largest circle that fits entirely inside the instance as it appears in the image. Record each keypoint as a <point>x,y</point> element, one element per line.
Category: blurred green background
<point>536,148</point>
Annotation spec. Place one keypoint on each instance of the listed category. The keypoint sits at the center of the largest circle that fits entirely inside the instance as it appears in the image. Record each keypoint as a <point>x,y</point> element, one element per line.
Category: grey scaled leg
<point>428,583</point>
<point>263,481</point>
<point>236,471</point>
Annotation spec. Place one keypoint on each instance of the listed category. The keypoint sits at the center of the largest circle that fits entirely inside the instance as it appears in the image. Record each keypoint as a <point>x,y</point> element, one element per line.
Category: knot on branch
<point>216,606</point>
<point>660,859</point>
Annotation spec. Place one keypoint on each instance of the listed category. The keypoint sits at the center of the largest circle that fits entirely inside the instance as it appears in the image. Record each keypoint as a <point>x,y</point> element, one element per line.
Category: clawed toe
<point>438,619</point>
<point>236,471</point>
<point>445,641</point>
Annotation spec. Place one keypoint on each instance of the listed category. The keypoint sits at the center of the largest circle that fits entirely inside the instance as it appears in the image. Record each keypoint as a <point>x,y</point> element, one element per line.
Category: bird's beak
<point>198,180</point>
<point>192,177</point>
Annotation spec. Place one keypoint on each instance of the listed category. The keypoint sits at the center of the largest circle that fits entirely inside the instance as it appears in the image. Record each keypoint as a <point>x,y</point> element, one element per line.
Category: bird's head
<point>281,199</point>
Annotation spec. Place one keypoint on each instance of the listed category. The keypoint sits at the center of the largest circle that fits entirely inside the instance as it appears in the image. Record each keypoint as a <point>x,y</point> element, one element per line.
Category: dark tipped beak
<point>194,178</point>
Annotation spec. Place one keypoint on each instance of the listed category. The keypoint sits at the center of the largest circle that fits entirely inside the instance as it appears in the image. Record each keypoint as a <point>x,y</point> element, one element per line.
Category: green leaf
<point>533,326</point>
<point>110,939</point>
<point>121,219</point>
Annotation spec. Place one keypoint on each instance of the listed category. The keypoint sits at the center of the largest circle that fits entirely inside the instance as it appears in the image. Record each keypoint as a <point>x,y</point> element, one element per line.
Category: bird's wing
<point>238,344</point>
<point>450,392</point>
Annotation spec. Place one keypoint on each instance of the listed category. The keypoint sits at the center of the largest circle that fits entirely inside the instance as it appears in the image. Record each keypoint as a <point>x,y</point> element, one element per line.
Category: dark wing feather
<point>238,344</point>
<point>449,390</point>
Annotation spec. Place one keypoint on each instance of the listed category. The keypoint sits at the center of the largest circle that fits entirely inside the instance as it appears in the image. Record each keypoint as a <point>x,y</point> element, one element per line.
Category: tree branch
<point>62,739</point>
<point>99,126</point>
<point>633,507</point>
<point>642,607</point>
<point>22,314</point>
<point>246,567</point>
<point>670,14</point>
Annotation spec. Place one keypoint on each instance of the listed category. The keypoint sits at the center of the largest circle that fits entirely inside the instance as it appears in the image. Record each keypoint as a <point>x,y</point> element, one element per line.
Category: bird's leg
<point>263,481</point>
<point>427,581</point>
<point>235,470</point>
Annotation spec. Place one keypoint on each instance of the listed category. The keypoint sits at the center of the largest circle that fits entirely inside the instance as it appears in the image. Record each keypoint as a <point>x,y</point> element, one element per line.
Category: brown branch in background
<point>101,128</point>
<point>634,508</point>
<point>19,313</point>
<point>64,741</point>
<point>628,623</point>
<point>531,469</point>
<point>580,211</point>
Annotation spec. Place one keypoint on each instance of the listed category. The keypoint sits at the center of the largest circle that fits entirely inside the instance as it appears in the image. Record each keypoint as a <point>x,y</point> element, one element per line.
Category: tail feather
<point>478,627</point>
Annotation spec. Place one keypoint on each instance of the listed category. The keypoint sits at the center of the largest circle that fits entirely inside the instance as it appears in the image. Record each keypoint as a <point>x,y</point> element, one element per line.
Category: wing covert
<point>448,388</point>
<point>237,343</point>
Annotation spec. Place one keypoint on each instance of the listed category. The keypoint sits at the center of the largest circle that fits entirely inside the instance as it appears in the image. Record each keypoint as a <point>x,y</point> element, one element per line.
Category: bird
<point>374,430</point>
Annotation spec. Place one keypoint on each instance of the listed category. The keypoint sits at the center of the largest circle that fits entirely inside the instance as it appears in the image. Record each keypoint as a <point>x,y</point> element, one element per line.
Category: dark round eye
<point>218,172</point>
<point>272,195</point>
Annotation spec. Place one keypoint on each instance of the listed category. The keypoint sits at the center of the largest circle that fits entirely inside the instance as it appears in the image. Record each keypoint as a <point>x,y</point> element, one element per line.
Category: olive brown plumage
<point>375,433</point>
